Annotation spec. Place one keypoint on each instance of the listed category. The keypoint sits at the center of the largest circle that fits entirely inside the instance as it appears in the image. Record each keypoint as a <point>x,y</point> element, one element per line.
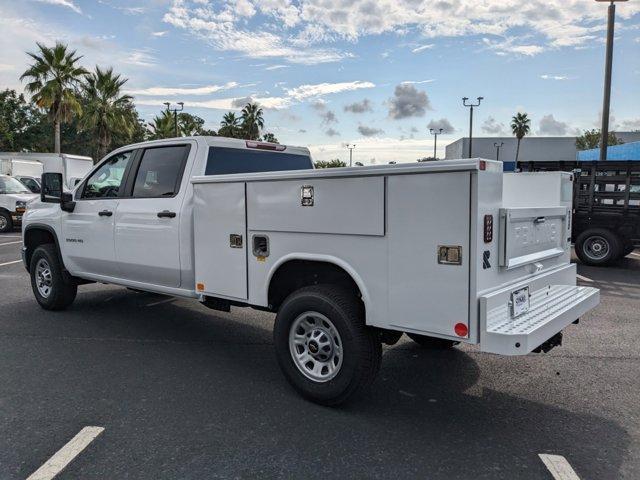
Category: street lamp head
<point>440,130</point>
<point>167,104</point>
<point>480,99</point>
<point>181,104</point>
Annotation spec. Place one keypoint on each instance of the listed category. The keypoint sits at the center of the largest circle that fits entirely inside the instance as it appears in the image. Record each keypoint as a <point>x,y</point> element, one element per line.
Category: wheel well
<point>295,274</point>
<point>34,237</point>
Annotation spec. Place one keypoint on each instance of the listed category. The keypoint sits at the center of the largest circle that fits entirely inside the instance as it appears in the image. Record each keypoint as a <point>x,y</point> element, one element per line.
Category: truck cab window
<point>107,180</point>
<point>160,172</point>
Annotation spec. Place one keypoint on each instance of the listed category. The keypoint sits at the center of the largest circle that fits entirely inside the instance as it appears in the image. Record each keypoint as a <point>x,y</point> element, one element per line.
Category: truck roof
<point>219,142</point>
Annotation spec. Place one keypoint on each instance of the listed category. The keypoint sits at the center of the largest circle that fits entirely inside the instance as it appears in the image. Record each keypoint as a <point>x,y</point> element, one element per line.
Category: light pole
<point>351,146</point>
<point>471,107</point>
<point>435,134</point>
<point>498,147</point>
<point>175,114</point>
<point>604,130</point>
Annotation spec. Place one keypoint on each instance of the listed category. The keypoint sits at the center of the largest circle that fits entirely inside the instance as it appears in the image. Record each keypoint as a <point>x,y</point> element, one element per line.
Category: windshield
<point>11,185</point>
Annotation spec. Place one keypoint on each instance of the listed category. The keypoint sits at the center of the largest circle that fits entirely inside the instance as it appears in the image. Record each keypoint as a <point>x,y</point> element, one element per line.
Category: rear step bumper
<point>555,302</point>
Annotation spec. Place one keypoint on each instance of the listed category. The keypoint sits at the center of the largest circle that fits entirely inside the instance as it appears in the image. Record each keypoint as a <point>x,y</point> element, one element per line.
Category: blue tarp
<point>626,151</point>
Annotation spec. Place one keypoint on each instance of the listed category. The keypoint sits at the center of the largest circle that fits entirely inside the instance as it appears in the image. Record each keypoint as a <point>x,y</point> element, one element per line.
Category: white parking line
<point>634,254</point>
<point>10,243</point>
<point>559,467</point>
<point>10,236</point>
<point>584,279</point>
<point>66,454</point>
<point>10,263</point>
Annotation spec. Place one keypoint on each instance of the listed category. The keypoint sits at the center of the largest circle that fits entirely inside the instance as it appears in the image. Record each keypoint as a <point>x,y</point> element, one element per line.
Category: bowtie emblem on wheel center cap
<point>313,347</point>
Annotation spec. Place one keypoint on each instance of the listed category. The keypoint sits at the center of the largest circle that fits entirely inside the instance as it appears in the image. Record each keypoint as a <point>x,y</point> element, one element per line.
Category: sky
<point>374,73</point>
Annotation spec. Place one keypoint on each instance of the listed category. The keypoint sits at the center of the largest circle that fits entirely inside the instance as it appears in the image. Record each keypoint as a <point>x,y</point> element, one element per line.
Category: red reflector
<point>483,165</point>
<point>265,146</point>
<point>461,329</point>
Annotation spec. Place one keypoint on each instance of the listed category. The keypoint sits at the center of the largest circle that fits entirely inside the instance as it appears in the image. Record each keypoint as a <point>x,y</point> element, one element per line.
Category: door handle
<point>166,214</point>
<point>105,213</point>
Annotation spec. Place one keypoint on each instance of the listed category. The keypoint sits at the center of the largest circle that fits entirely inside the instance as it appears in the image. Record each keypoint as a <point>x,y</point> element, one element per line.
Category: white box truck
<point>348,258</point>
<point>28,167</point>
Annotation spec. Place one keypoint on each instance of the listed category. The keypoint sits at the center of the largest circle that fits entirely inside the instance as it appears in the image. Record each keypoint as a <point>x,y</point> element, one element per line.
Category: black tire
<point>432,342</point>
<point>6,223</point>
<point>62,291</point>
<point>609,247</point>
<point>360,346</point>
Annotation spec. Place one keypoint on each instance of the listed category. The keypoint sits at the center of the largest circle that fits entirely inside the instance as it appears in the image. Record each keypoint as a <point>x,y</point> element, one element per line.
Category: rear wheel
<point>52,288</point>
<point>432,342</point>
<point>598,247</point>
<point>323,346</point>
<point>6,224</point>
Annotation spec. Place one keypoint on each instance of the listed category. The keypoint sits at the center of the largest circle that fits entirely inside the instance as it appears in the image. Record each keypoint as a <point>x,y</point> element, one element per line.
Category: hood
<point>25,197</point>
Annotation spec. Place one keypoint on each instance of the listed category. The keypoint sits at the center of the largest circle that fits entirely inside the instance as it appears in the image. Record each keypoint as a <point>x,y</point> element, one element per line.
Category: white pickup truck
<point>348,258</point>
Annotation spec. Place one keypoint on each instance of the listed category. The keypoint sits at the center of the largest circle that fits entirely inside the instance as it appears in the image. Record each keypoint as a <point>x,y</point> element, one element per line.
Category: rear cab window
<point>225,160</point>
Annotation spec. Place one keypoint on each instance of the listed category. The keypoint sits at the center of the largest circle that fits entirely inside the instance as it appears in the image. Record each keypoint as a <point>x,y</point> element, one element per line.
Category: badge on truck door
<point>519,302</point>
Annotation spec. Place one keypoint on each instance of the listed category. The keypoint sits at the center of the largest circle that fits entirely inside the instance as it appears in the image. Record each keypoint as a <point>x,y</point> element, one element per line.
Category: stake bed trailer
<point>348,257</point>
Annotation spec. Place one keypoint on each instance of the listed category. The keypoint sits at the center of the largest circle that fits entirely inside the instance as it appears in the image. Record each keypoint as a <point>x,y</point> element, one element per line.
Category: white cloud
<point>140,58</point>
<point>161,33</point>
<point>172,91</point>
<point>554,77</point>
<point>276,67</point>
<point>509,45</point>
<point>422,48</point>
<point>62,3</point>
<point>308,91</point>
<point>550,126</point>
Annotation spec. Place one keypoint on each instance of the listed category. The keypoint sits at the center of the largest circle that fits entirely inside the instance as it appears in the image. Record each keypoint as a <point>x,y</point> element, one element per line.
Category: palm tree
<point>252,121</point>
<point>53,78</point>
<point>106,110</point>
<point>162,126</point>
<point>229,125</point>
<point>269,137</point>
<point>520,126</point>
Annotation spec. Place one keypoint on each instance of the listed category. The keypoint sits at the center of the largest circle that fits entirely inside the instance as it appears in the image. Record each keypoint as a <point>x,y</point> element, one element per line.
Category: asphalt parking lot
<point>184,392</point>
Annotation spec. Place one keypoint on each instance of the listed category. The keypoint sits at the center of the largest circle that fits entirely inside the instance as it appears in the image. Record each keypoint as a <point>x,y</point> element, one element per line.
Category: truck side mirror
<point>51,191</point>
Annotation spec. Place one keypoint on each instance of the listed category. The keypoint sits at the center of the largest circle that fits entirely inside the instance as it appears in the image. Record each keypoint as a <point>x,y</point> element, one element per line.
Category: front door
<point>88,242</point>
<point>147,221</point>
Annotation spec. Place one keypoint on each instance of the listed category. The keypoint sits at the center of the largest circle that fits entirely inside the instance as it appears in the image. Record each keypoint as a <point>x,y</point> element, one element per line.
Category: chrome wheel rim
<point>596,247</point>
<point>315,346</point>
<point>3,222</point>
<point>44,282</point>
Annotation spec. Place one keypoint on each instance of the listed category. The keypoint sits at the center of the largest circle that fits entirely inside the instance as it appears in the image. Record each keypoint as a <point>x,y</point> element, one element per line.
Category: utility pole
<point>435,139</point>
<point>175,111</point>
<point>471,107</point>
<point>498,146</point>
<point>606,101</point>
<point>351,146</point>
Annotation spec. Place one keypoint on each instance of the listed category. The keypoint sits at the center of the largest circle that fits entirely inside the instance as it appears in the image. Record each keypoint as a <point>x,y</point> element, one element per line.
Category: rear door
<point>147,222</point>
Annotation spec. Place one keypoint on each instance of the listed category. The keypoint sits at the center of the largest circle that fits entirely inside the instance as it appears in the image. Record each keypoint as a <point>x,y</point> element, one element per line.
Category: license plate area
<point>520,302</point>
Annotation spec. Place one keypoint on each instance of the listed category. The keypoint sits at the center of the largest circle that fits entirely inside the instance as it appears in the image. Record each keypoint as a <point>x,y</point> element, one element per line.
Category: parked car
<point>348,258</point>
<point>14,197</point>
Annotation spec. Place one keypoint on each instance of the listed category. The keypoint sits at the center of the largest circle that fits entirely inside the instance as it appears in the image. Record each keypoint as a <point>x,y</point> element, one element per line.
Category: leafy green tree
<point>270,137</point>
<point>105,109</point>
<point>229,126</point>
<point>252,121</point>
<point>22,126</point>
<point>591,139</point>
<point>52,82</point>
<point>162,126</point>
<point>520,127</point>
<point>335,163</point>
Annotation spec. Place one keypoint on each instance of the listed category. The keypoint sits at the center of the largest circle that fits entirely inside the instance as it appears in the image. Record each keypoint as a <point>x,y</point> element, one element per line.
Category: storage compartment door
<point>221,240</point>
<point>425,212</point>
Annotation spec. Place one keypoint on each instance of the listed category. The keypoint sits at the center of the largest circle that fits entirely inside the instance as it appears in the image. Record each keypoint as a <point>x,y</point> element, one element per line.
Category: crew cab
<point>14,197</point>
<point>347,258</point>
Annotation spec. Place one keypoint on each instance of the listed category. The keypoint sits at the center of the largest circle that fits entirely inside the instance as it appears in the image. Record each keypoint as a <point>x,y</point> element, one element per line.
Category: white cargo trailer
<point>33,164</point>
<point>447,252</point>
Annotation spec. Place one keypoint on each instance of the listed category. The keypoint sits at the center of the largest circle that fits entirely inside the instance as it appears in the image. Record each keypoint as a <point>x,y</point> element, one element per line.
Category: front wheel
<point>323,346</point>
<point>52,288</point>
<point>6,223</point>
